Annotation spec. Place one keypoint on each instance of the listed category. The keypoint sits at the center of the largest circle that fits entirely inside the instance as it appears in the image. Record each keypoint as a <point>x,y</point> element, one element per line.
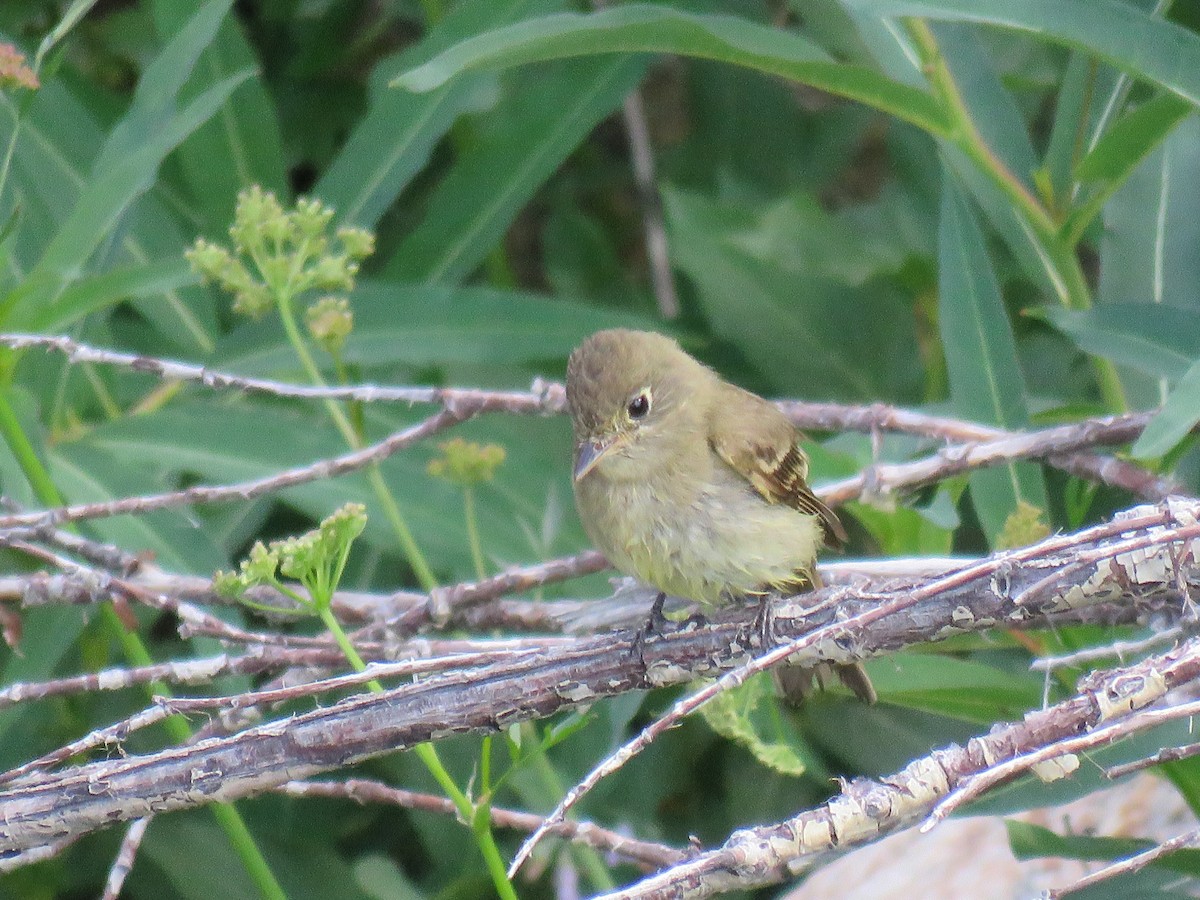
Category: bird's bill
<point>589,453</point>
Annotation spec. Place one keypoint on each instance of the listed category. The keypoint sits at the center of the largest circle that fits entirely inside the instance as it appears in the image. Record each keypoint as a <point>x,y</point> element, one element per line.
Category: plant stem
<point>391,508</point>
<point>136,654</point>
<point>473,532</point>
<point>1058,256</point>
<point>477,816</point>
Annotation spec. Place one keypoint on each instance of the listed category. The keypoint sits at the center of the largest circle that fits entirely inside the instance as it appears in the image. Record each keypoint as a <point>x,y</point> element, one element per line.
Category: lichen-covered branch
<point>867,809</point>
<point>1147,559</point>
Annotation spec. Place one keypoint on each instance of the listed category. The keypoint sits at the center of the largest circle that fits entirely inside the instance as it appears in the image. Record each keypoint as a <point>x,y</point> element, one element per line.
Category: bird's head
<point>631,395</point>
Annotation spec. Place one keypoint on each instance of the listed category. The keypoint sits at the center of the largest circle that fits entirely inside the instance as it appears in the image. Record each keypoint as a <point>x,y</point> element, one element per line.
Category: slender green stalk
<point>391,509</point>
<point>476,815</point>
<point>26,456</point>
<point>586,856</point>
<point>136,654</point>
<point>473,532</point>
<point>1059,256</point>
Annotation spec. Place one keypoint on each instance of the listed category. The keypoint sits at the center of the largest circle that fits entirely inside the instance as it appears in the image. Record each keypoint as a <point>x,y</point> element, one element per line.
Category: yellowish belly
<point>723,541</point>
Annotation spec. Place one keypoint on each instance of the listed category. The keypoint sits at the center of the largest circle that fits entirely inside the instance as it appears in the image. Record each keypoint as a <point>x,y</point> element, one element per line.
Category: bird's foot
<point>655,625</point>
<point>764,623</point>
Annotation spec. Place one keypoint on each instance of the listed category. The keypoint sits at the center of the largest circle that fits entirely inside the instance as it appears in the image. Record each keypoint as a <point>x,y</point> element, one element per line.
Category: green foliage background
<point>1007,230</point>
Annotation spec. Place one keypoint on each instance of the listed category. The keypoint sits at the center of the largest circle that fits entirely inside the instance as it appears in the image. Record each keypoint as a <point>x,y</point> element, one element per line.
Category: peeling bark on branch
<point>1130,562</point>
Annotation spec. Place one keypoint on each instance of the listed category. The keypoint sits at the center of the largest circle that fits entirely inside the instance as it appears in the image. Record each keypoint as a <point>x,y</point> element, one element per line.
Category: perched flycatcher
<point>688,483</point>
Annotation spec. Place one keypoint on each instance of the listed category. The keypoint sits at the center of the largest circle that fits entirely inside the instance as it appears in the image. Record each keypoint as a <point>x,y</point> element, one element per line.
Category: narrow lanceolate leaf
<point>108,196</point>
<point>239,146</point>
<point>1178,416</point>
<point>655,29</point>
<point>486,189</point>
<point>1120,151</point>
<point>1154,338</point>
<point>986,384</point>
<point>392,142</point>
<point>1152,49</point>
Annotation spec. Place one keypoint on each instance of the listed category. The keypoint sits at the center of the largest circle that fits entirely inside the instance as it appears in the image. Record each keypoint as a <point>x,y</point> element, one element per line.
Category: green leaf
<point>1154,338</point>
<point>393,140</point>
<point>962,688</point>
<point>160,83</point>
<point>749,715</point>
<point>1175,420</point>
<point>94,293</point>
<point>438,325</point>
<point>241,145</point>
<point>986,384</point>
<point>106,197</point>
<point>807,334</point>
<point>1128,142</point>
<point>1152,49</point>
<point>1119,152</point>
<point>550,114</point>
<point>1029,841</point>
<point>654,29</point>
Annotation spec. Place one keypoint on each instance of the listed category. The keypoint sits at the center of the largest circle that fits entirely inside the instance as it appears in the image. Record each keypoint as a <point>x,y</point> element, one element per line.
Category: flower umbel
<point>466,463</point>
<point>316,559</point>
<point>277,254</point>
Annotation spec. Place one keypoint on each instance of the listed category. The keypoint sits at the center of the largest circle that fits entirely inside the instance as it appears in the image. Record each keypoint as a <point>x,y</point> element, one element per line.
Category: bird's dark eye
<point>639,405</point>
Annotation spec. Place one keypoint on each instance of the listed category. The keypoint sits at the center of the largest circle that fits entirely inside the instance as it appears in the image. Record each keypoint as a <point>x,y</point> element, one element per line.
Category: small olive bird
<point>691,484</point>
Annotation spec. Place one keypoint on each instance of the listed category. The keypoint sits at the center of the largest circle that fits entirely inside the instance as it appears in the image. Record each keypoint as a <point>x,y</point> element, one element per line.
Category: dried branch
<point>649,855</point>
<point>550,398</point>
<point>856,622</point>
<point>1166,754</point>
<point>866,809</point>
<point>1127,866</point>
<point>123,864</point>
<point>246,490</point>
<point>544,399</point>
<point>582,670</point>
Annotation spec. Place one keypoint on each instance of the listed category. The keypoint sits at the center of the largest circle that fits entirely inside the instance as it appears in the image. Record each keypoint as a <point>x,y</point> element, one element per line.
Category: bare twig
<point>123,864</point>
<point>649,855</point>
<point>1126,866</point>
<point>574,671</point>
<point>549,398</point>
<point>1166,754</point>
<point>843,631</point>
<point>546,398</point>
<point>983,781</point>
<point>866,810</point>
<point>1119,649</point>
<point>100,737</point>
<point>244,490</point>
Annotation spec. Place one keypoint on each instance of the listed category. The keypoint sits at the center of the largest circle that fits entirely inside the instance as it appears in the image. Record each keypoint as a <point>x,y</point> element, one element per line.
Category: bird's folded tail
<point>796,684</point>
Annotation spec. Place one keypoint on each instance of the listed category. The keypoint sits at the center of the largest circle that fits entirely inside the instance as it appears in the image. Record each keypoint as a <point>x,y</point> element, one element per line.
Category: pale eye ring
<point>639,406</point>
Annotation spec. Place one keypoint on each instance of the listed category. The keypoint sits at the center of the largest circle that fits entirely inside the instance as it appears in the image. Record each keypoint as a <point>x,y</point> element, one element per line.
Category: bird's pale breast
<point>721,539</point>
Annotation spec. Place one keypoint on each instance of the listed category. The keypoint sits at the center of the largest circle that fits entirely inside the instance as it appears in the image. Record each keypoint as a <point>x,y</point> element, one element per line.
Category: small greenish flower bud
<point>210,261</point>
<point>466,463</point>
<point>261,564</point>
<point>1024,525</point>
<point>330,321</point>
<point>256,208</point>
<point>276,270</point>
<point>334,273</point>
<point>228,584</point>
<point>311,217</point>
<point>345,525</point>
<point>357,242</point>
<point>253,300</point>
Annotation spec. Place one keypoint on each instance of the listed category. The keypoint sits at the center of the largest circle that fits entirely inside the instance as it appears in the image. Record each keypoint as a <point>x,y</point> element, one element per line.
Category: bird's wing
<point>758,442</point>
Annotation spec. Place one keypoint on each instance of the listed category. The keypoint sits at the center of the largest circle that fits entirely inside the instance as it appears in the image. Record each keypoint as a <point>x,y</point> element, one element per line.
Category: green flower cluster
<point>315,559</point>
<point>279,254</point>
<point>466,463</point>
